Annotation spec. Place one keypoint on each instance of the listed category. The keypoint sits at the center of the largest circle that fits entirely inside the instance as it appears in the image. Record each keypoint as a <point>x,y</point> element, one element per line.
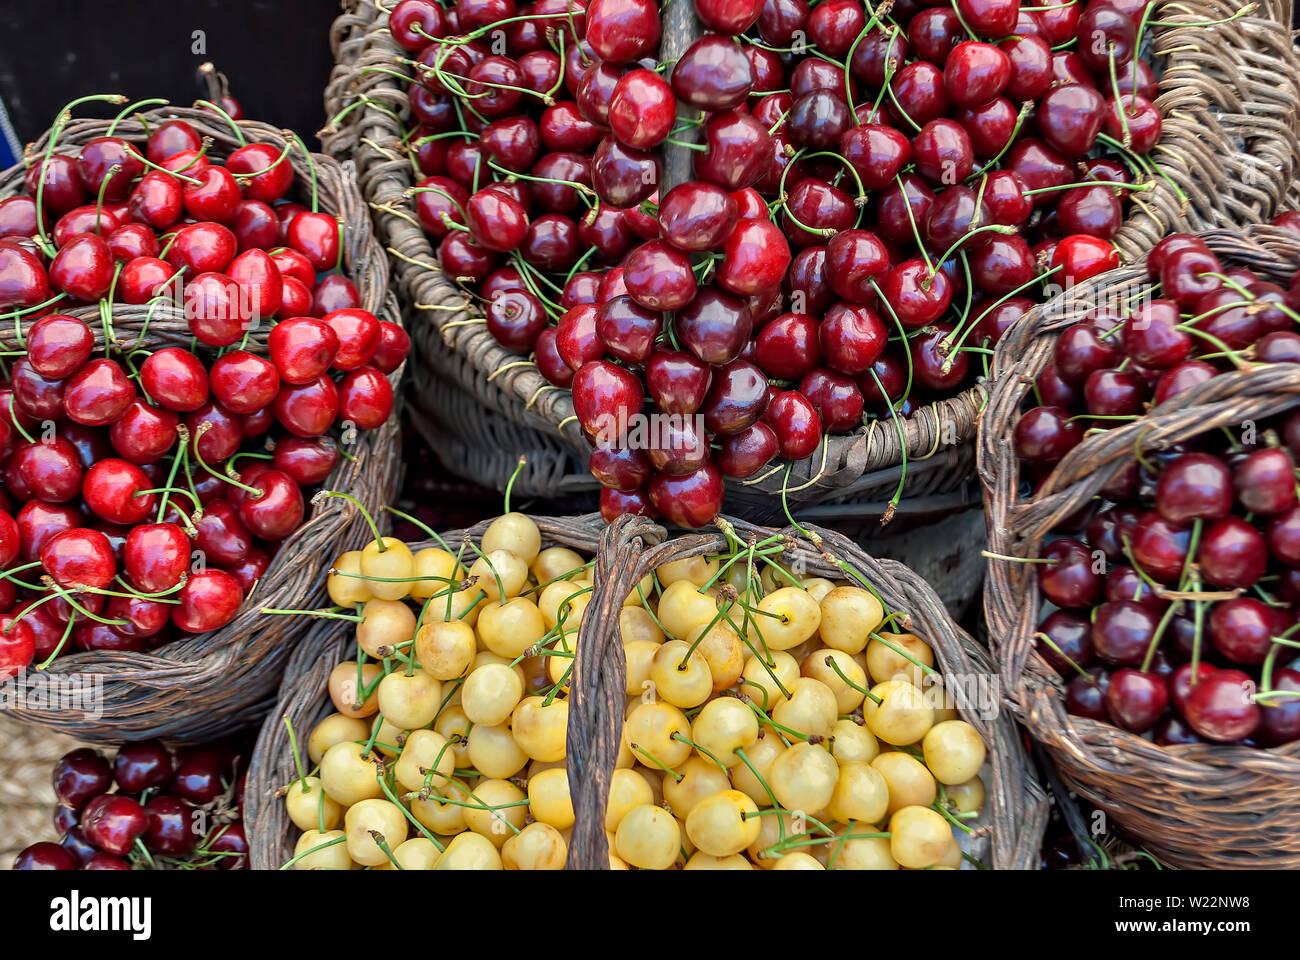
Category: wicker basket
<point>625,551</point>
<point>1204,806</point>
<point>208,685</point>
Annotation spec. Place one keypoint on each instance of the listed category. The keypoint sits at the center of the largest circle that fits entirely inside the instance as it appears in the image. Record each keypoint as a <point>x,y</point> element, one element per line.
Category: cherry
<point>213,309</point>
<point>256,225</point>
<point>175,378</point>
<point>1114,393</point>
<point>934,366</point>
<point>893,219</point>
<point>50,470</point>
<point>62,189</point>
<point>1283,535</point>
<point>736,398</point>
<point>755,258</point>
<point>1232,553</point>
<point>560,177</point>
<point>713,74</point>
<point>1122,631</point>
<point>605,397</point>
<point>233,844</point>
<point>563,127</point>
<point>676,381</point>
<point>1135,700</point>
<point>876,152</point>
<point>1030,60</point>
<point>697,216</point>
<point>1220,706</point>
<point>622,468</point>
<point>1086,696</point>
<point>222,536</point>
<point>365,398</point>
<point>1152,338</point>
<point>437,201</point>
<point>143,278</point>
<point>394,345</point>
<point>34,395</point>
<point>307,461</point>
<point>259,168</point>
<point>44,856</point>
<point>551,243</point>
<point>209,600</point>
<point>17,646</point>
<point>787,348</point>
<point>1182,377</point>
<point>1139,128</point>
<point>79,558</point>
<point>38,522</point>
<point>975,73</point>
<point>1279,720</point>
<point>1265,482</point>
<point>715,325</point>
<point>919,94</point>
<point>114,490</point>
<point>1242,629</point>
<point>515,318</point>
<point>23,280</point>
<point>1071,635</point>
<point>112,822</point>
<point>83,268</point>
<point>80,775</point>
<point>836,399</point>
<point>642,110</point>
<point>621,31</point>
<point>96,163</point>
<point>1106,35</point>
<point>1045,434</point>
<point>692,500</point>
<point>854,260</point>
<point>144,434</point>
<point>199,774</point>
<point>878,54</point>
<point>851,338</point>
<point>1081,257</point>
<point>746,452</point>
<point>316,237</point>
<point>738,151</point>
<point>678,446</point>
<point>91,219</point>
<point>659,277</point>
<point>215,198</point>
<point>1071,578</point>
<point>132,240</point>
<point>1196,485</point>
<point>203,248</point>
<point>576,338</point>
<point>156,557</point>
<point>243,382</point>
<point>17,217</point>
<point>627,330</point>
<point>1186,274</point>
<point>303,348</point>
<point>259,285</point>
<point>250,569</point>
<point>276,510</point>
<point>172,823</point>
<point>357,333</point>
<point>796,424</point>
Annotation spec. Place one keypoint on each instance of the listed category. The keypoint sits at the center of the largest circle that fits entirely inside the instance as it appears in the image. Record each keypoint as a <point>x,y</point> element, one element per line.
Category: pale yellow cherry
<point>426,752</point>
<point>351,698</point>
<point>941,699</point>
<point>346,775</point>
<point>335,728</point>
<point>557,563</point>
<point>506,807</point>
<point>627,790</point>
<point>953,859</point>
<point>852,742</point>
<point>849,616</point>
<point>772,830</point>
<point>864,853</point>
<point>765,750</point>
<point>680,675</point>
<point>818,587</point>
<point>649,730</point>
<point>437,570</point>
<point>410,702</point>
<point>700,778</point>
<point>469,851</point>
<point>309,806</point>
<point>559,668</point>
<point>796,618</point>
<point>648,837</point>
<point>494,752</point>
<point>388,737</point>
<point>463,606</point>
<point>345,586</point>
<point>886,660</point>
<point>445,649</point>
<point>861,793</point>
<point>723,651</point>
<point>910,783</point>
<point>440,816</point>
<point>918,837</point>
<point>702,861</point>
<point>490,693</point>
<point>953,751</point>
<point>635,625</point>
<point>538,846</point>
<point>640,655</point>
<point>898,712</point>
<point>387,566</point>
<point>371,816</point>
<point>697,570</point>
<point>723,824</point>
<point>516,533</point>
<point>563,599</point>
<point>385,624</point>
<point>549,799</point>
<point>845,679</point>
<point>485,657</point>
<point>803,777</point>
<point>798,860</point>
<point>967,797</point>
<point>510,628</point>
<point>418,853</point>
<point>540,729</point>
<point>500,574</point>
<point>641,593</point>
<point>724,726</point>
<point>454,725</point>
<point>810,709</point>
<point>682,606</point>
<point>322,851</point>
<point>767,680</point>
<point>655,779</point>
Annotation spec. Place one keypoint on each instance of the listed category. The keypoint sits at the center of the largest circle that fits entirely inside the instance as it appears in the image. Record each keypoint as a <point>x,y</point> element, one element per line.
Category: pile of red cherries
<point>877,194</point>
<point>1177,591</point>
<point>146,490</point>
<point>168,811</point>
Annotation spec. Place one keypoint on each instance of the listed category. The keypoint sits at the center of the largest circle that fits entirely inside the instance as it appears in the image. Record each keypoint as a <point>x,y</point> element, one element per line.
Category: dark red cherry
<point>1221,706</point>
<point>713,74</point>
<point>1265,481</point>
<point>1135,700</point>
<point>97,394</point>
<point>692,500</point>
<point>1182,377</point>
<point>302,348</point>
<point>1279,717</point>
<point>516,318</point>
<point>696,216</point>
<point>83,268</point>
<point>45,856</point>
<point>676,381</point>
<point>112,822</point>
<point>715,325</point>
<point>1071,642</point>
<point>659,277</point>
<point>787,348</point>
<point>628,330</point>
<point>1085,696</point>
<point>1242,629</point>
<point>80,775</point>
<point>1196,485</point>
<point>1232,553</point>
<point>744,453</point>
<point>1046,434</point>
<point>1106,36</point>
<point>605,397</point>
<point>1071,578</point>
<point>277,511</point>
<point>738,151</point>
<point>209,600</point>
<point>736,398</point>
<point>616,503</point>
<point>308,409</point>
<point>621,31</point>
<point>851,338</point>
<point>107,166</point>
<point>919,95</point>
<point>622,468</point>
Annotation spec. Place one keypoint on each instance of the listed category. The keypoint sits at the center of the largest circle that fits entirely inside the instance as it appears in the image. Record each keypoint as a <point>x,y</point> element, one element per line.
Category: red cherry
<point>83,268</point>
<point>696,216</point>
<point>277,511</point>
<point>214,432</point>
<point>256,225</point>
<point>365,398</point>
<point>307,409</point>
<point>1135,700</point>
<point>113,822</point>
<point>615,503</point>
<point>755,258</point>
<point>627,330</point>
<point>79,558</point>
<point>23,280</point>
<point>692,500</point>
<point>302,348</point>
<point>605,397</point>
<point>262,171</point>
<point>260,285</point>
<point>97,394</point>
<point>713,74</point>
<point>308,461</point>
<point>107,166</point>
<point>676,381</point>
<point>745,453</point>
<point>642,110</point>
<point>621,31</point>
<point>316,237</point>
<point>797,427</point>
<point>394,345</point>
<point>175,378</point>
<point>50,469</point>
<point>144,278</point>
<point>243,382</point>
<point>209,600</point>
<point>1221,707</point>
<point>358,337</point>
<point>576,339</point>
<point>144,433</point>
<point>113,490</point>
<point>1081,257</point>
<point>659,277</point>
<point>212,308</point>
<point>203,248</point>
<point>1232,553</point>
<point>156,556</point>
<point>17,646</point>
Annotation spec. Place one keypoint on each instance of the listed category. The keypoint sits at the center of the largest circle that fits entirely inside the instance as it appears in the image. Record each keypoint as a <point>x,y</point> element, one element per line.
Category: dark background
<point>275,53</point>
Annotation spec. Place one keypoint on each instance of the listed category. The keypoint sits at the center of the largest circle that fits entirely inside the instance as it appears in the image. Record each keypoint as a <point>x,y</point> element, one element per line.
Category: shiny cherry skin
<point>156,556</point>
<point>1135,700</point>
<point>45,856</point>
<point>1194,486</point>
<point>1071,637</point>
<point>79,558</point>
<point>365,398</point>
<point>112,822</point>
<point>605,397</point>
<point>737,398</point>
<point>621,31</point>
<point>307,409</point>
<point>1242,629</point>
<point>1220,706</point>
<point>1279,719</point>
<point>142,766</point>
<point>83,268</point>
<point>796,424</point>
<point>755,258</point>
<point>1232,553</point>
<point>851,338</point>
<point>746,452</point>
<point>315,236</point>
<point>1122,631</point>
<point>302,348</point>
<point>1264,481</point>
<point>677,381</point>
<point>715,325</point>
<point>80,775</point>
<point>171,831</point>
<point>1045,434</point>
<point>788,347</point>
<point>627,330</point>
<point>692,500</point>
<point>1070,579</point>
<point>209,600</point>
<point>114,490</point>
<point>696,216</point>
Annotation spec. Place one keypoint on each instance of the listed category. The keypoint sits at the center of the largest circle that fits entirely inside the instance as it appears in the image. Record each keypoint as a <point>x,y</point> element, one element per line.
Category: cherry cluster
<point>182,811</point>
<point>877,193</point>
<point>123,518</point>
<point>1177,603</point>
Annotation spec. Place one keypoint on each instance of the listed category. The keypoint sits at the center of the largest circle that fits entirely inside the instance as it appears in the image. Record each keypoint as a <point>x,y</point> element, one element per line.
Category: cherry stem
<point>63,118</point>
<point>911,218</point>
<point>297,758</point>
<point>131,108</point>
<point>178,173</point>
<point>902,443</point>
<point>311,169</point>
<point>284,154</point>
<point>987,228</point>
<point>1064,656</point>
<point>510,484</point>
<point>67,632</point>
<point>254,493</point>
<point>370,521</point>
<point>234,125</point>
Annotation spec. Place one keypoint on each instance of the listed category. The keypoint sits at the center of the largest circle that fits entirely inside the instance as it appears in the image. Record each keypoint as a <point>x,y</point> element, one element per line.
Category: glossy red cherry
<point>83,268</point>
<point>516,318</point>
<point>736,398</point>
<point>209,600</point>
<point>1232,553</point>
<point>935,365</point>
<point>1221,707</point>
<point>659,277</point>
<point>98,393</point>
<point>365,398</point>
<point>676,381</point>
<point>316,237</point>
<point>576,339</point>
<point>621,31</point>
<point>1046,434</point>
<point>276,510</point>
<point>302,348</point>
<point>975,73</point>
<point>744,453</point>
<point>1196,485</point>
<point>878,153</point>
<point>262,171</point>
<point>756,257</point>
<point>642,110</point>
<point>697,216</point>
<point>23,280</point>
<point>175,378</point>
<point>259,284</point>
<point>1265,481</point>
<point>622,468</point>
<point>796,424</point>
<point>172,822</point>
<point>45,856</point>
<point>107,166</point>
<point>1279,718</point>
<point>17,646</point>
<point>1070,579</point>
<point>115,491</point>
<point>715,325</point>
<point>787,348</point>
<point>142,766</point>
<point>1135,700</point>
<point>605,397</point>
<point>307,409</point>
<point>1081,257</point>
<point>144,433</point>
<point>627,330</point>
<point>156,556</point>
<point>692,500</point>
<point>80,775</point>
<point>738,151</point>
<point>79,558</point>
<point>54,181</point>
<point>203,248</point>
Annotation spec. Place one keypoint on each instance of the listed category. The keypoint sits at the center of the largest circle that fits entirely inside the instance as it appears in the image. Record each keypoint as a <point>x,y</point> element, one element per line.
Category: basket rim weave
<point>209,684</point>
<point>1169,797</point>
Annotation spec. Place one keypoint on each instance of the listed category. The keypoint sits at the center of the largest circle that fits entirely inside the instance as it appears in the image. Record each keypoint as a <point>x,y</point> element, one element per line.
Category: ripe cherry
<point>209,600</point>
<point>1221,707</point>
<point>365,398</point>
<point>1136,700</point>
<point>692,500</point>
<point>80,775</point>
<point>112,822</point>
